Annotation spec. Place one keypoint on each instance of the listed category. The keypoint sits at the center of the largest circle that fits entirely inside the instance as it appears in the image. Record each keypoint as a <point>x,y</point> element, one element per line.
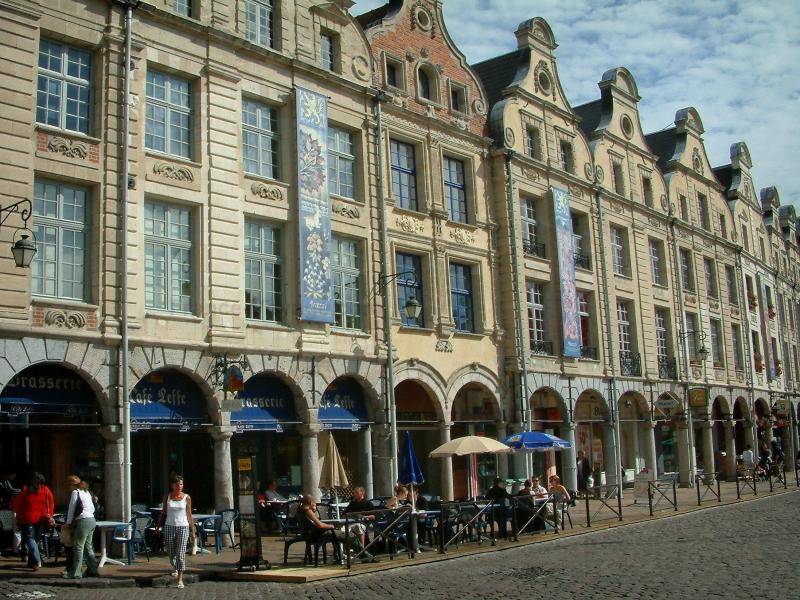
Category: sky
<point>736,62</point>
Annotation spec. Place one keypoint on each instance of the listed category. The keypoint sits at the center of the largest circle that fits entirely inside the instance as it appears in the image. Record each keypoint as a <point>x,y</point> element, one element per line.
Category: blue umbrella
<point>410,471</point>
<point>536,441</point>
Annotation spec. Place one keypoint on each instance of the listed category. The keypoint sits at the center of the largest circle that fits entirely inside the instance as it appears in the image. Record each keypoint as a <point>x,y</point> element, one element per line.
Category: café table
<point>105,527</point>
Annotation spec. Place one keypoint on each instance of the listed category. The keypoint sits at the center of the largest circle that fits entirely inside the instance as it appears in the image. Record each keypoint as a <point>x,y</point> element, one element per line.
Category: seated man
<point>318,530</point>
<point>269,502</point>
<point>501,499</point>
<point>358,504</point>
<point>539,492</point>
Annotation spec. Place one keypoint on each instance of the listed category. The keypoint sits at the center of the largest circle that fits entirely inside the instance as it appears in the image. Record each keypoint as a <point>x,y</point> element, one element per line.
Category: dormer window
<point>426,84</point>
<point>395,75</point>
<point>328,50</point>
<point>391,74</point>
<point>618,177</point>
<point>567,157</point>
<point>458,97</point>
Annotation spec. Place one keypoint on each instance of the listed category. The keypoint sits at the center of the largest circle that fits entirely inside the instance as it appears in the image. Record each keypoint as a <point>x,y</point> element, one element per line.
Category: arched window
<point>425,87</point>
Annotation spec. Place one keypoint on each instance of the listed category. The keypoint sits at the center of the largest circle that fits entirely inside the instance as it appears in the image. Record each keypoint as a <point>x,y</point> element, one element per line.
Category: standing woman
<point>176,517</point>
<point>80,516</point>
<point>34,509</point>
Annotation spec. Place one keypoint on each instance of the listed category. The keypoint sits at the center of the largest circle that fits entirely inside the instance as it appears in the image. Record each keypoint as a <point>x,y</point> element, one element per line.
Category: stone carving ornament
<point>67,320</point>
<point>69,148</point>
<point>361,68</point>
<point>462,236</point>
<point>350,212</point>
<point>444,346</point>
<point>588,170</point>
<point>410,224</point>
<point>479,106</point>
<point>267,192</point>
<point>170,171</point>
<point>509,137</point>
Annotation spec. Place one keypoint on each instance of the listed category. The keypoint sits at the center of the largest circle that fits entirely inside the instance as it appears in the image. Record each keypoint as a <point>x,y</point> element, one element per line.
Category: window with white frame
<point>346,283</point>
<point>328,43</point>
<point>461,297</point>
<point>733,291</point>
<point>619,251</point>
<point>535,303</point>
<point>168,115</point>
<point>717,346</point>
<point>533,142</point>
<point>657,261</point>
<point>182,7</point>
<point>687,269</point>
<point>341,163</point>
<point>662,333</point>
<point>455,189</point>
<point>167,257</point>
<point>738,352</point>
<point>260,142</point>
<point>404,175</point>
<point>530,228</point>
<point>712,288</point>
<point>585,316</point>
<point>624,327</point>
<point>63,86</point>
<point>263,272</point>
<point>258,22</point>
<point>409,285</point>
<point>702,210</point>
<point>60,215</point>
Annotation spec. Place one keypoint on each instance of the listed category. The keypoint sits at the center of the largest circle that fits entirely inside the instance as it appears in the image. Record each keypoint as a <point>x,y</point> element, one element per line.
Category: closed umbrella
<point>331,468</point>
<point>536,441</point>
<point>410,471</point>
<point>467,445</point>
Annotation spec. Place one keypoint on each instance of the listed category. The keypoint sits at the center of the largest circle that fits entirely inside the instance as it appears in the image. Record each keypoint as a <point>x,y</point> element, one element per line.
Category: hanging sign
<point>570,317</point>
<point>233,381</point>
<point>316,299</point>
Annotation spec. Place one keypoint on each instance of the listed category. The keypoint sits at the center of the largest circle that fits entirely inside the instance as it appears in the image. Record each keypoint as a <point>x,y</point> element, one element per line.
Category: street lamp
<point>700,337</point>
<point>23,249</point>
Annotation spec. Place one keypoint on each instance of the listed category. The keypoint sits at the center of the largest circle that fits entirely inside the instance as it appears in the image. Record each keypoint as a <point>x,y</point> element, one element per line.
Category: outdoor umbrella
<point>410,471</point>
<point>467,445</point>
<point>536,441</point>
<point>331,469</point>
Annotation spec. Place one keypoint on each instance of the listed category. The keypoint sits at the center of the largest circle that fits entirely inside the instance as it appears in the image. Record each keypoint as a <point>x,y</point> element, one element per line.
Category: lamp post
<point>23,249</point>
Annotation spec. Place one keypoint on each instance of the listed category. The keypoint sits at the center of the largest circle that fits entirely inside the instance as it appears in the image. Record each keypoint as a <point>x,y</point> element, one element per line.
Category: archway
<point>666,413</point>
<point>417,414</point>
<point>634,416</point>
<point>743,435</point>
<point>763,419</point>
<point>169,421</point>
<point>549,414</point>
<point>49,423</point>
<point>475,411</point>
<point>266,428</point>
<point>723,437</point>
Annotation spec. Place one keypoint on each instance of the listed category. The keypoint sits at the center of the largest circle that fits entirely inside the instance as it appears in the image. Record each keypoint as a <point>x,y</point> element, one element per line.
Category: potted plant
<point>759,362</point>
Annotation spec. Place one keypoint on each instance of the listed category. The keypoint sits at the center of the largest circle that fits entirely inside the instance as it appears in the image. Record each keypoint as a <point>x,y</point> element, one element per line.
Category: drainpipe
<point>384,281</point>
<point>124,387</point>
<point>524,405</point>
<point>612,382</point>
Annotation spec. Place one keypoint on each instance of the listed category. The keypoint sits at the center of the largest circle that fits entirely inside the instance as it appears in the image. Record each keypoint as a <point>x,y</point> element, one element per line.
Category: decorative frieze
<point>170,171</point>
<point>267,192</point>
<point>69,148</point>
<point>462,236</point>
<point>65,319</point>
<point>410,224</point>
<point>444,346</point>
<point>345,210</point>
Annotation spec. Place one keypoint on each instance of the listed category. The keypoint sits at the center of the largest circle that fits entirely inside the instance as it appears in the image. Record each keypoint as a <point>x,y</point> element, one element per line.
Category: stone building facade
<point>440,177</point>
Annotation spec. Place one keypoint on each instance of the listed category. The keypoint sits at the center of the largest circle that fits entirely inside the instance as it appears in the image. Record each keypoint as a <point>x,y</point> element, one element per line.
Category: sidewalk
<point>210,566</point>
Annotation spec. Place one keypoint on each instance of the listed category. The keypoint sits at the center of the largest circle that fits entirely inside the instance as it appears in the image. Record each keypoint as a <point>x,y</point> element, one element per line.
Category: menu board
<point>249,533</point>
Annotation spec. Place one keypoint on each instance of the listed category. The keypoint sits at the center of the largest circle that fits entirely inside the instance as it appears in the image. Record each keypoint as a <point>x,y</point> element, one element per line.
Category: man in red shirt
<point>34,509</point>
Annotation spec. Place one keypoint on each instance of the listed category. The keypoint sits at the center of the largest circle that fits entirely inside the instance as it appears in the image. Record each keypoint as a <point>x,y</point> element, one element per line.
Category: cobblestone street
<point>738,551</point>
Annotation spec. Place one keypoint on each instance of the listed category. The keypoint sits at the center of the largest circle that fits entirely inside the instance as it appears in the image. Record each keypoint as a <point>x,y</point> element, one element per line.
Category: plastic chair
<point>141,523</point>
<point>210,526</point>
<point>123,534</point>
<point>228,518</point>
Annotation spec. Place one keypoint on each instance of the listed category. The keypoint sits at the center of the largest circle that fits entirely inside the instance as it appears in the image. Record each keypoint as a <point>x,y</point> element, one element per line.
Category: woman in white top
<point>80,517</point>
<point>176,517</point>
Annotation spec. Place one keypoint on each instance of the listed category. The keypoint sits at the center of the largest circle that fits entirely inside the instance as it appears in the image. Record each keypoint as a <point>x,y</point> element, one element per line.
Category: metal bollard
<point>650,496</point>
<point>738,491</point>
<point>619,501</point>
<point>719,490</point>
<point>697,486</point>
<point>675,494</point>
<point>588,515</point>
<point>755,484</point>
<point>442,521</point>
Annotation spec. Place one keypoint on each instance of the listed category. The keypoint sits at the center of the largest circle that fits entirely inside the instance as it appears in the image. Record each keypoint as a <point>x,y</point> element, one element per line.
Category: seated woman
<point>317,529</point>
<point>560,494</point>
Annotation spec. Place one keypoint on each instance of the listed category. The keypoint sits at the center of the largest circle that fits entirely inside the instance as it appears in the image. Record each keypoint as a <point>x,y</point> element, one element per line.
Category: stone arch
<point>632,405</point>
<point>368,374</point>
<point>427,377</point>
<point>298,396</point>
<point>478,374</point>
<point>547,392</point>
<point>591,395</point>
<point>720,408</point>
<point>211,401</point>
<point>91,362</point>
<point>741,410</point>
<point>761,408</point>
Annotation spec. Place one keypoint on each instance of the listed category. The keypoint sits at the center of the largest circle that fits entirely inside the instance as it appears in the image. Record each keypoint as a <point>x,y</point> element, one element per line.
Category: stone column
<point>750,436</point>
<point>569,465</point>
<point>365,449</point>
<point>708,447</point>
<point>447,465</point>
<point>223,473</point>
<point>730,451</point>
<point>381,459</point>
<point>610,455</point>
<point>650,457</point>
<point>519,460</point>
<point>113,472</point>
<point>502,459</point>
<point>684,453</point>
<point>310,466</point>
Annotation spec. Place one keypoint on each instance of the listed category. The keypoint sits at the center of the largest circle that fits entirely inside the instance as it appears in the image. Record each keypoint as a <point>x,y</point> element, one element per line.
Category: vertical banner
<point>316,301</point>
<point>570,318</point>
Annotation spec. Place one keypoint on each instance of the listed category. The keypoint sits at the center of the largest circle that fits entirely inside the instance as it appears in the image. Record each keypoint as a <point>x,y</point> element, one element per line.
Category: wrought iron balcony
<point>667,367</point>
<point>583,261</point>
<point>630,364</point>
<point>532,248</point>
<point>542,347</point>
<point>589,352</point>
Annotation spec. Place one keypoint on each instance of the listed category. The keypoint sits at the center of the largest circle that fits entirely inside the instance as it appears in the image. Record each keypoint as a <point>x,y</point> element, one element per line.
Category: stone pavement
<point>742,550</point>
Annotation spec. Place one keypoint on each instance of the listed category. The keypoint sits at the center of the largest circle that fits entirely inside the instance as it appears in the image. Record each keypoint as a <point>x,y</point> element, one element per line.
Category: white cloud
<point>736,61</point>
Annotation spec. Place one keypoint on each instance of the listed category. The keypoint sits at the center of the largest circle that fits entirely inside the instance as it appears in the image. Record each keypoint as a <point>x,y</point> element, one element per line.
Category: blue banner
<point>342,406</point>
<point>47,389</point>
<point>570,317</point>
<point>267,405</point>
<point>167,399</point>
<point>316,300</point>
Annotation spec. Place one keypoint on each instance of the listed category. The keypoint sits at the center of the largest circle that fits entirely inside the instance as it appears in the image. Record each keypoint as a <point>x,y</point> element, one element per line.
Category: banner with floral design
<point>316,301</point>
<point>570,317</point>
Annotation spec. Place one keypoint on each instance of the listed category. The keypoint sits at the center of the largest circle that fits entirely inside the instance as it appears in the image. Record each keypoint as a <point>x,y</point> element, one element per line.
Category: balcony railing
<point>532,248</point>
<point>630,364</point>
<point>589,352</point>
<point>583,261</point>
<point>667,367</point>
<point>542,347</point>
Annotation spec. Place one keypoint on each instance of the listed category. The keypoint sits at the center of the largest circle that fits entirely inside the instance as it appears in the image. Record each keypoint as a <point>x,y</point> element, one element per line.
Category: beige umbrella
<point>331,469</point>
<point>470,444</point>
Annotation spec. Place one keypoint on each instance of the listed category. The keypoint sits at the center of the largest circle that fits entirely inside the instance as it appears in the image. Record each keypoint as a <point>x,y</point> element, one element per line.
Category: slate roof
<point>499,72</point>
<point>590,114</point>
<point>724,175</point>
<point>371,17</point>
<point>662,144</point>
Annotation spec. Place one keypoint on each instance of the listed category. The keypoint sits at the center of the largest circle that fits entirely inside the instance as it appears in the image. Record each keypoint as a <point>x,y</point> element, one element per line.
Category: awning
<point>343,407</point>
<point>52,406</point>
<point>48,388</point>
<point>167,399</point>
<point>267,405</point>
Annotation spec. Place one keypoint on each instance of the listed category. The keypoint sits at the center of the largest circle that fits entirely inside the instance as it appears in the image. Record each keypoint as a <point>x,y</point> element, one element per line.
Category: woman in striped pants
<point>176,517</point>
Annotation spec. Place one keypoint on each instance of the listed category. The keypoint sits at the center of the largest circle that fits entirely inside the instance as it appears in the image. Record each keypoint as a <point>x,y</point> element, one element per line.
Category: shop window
<point>63,86</point>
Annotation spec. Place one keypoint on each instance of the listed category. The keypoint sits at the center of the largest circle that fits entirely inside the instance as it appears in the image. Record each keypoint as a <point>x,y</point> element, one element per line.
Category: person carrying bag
<point>81,522</point>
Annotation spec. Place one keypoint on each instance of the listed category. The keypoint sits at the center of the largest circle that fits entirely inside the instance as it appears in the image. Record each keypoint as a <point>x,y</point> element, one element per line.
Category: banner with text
<point>570,317</point>
<point>316,300</point>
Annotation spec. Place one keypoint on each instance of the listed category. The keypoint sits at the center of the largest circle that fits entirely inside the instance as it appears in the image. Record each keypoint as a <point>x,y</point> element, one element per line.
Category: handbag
<point>67,534</point>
